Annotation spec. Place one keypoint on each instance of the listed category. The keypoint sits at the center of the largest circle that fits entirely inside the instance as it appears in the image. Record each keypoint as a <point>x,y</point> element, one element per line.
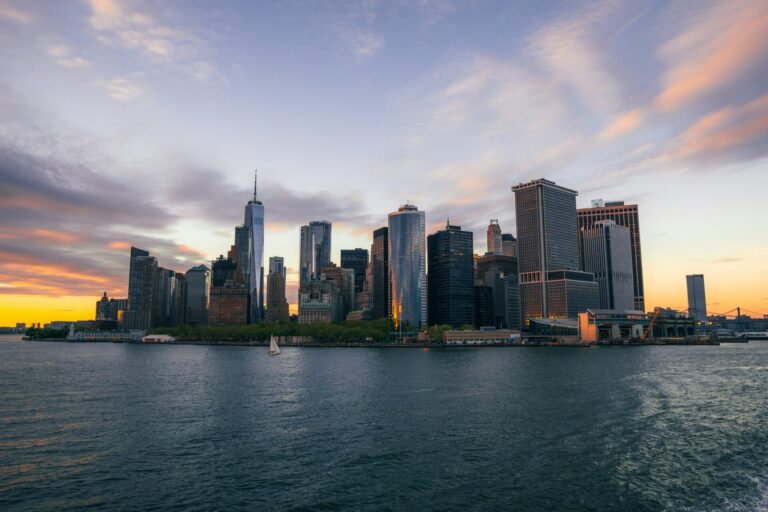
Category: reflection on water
<point>113,426</point>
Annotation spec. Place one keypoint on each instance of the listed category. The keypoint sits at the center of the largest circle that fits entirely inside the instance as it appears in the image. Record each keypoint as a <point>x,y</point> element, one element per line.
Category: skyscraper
<point>254,221</point>
<point>380,279</point>
<point>222,270</point>
<point>450,283</point>
<point>277,305</point>
<point>623,215</point>
<point>242,246</point>
<point>142,289</point>
<point>407,268</point>
<point>500,274</point>
<point>551,283</point>
<point>357,260</point>
<point>697,300</point>
<point>163,314</point>
<point>343,279</point>
<point>493,237</point>
<point>508,245</point>
<point>198,294</point>
<point>607,253</point>
<point>315,250</point>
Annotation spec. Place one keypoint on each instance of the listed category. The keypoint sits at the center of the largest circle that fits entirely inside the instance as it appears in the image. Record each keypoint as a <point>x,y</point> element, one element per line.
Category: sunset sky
<point>140,123</point>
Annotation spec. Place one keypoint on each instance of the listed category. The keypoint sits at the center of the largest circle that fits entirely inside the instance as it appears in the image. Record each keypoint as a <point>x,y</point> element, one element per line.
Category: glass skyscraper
<point>254,221</point>
<point>357,260</point>
<point>451,279</point>
<point>407,268</point>
<point>380,270</point>
<point>142,290</point>
<point>547,241</point>
<point>697,300</point>
<point>607,253</point>
<point>315,250</point>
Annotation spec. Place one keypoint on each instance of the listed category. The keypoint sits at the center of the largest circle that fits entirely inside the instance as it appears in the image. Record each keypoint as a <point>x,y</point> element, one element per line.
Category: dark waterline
<point>132,427</point>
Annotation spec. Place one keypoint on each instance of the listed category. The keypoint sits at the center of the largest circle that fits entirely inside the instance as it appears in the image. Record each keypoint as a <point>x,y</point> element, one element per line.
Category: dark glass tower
<point>315,250</point>
<point>499,273</point>
<point>450,282</point>
<point>380,263</point>
<point>357,260</point>
<point>407,268</point>
<point>222,270</point>
<point>547,241</point>
<point>142,290</point>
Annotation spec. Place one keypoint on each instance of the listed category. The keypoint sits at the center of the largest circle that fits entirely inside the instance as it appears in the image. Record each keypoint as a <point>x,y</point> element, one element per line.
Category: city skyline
<point>149,139</point>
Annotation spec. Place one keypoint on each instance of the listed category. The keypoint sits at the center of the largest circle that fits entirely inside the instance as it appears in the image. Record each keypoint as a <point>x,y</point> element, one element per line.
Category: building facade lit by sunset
<point>407,268</point>
<point>314,250</point>
<point>254,220</point>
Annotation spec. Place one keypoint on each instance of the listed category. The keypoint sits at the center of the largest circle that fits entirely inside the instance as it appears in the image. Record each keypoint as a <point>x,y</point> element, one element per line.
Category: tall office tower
<point>484,306</point>
<point>508,245</point>
<point>551,284</point>
<point>222,271</point>
<point>344,280</point>
<point>451,279</point>
<point>380,261</point>
<point>180,300</point>
<point>697,300</point>
<point>198,294</point>
<point>493,237</point>
<point>254,221</point>
<point>242,246</point>
<point>500,275</point>
<point>277,305</point>
<point>315,250</point>
<point>364,299</point>
<point>607,253</point>
<point>357,260</point>
<point>142,285</point>
<point>277,265</point>
<point>623,215</point>
<point>407,269</point>
<point>163,306</point>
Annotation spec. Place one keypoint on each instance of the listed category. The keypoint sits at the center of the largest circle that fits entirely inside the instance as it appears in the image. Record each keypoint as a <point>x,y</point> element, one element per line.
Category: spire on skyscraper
<point>255,184</point>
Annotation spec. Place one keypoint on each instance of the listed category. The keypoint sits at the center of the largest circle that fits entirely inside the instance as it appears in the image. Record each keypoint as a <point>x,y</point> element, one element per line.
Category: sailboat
<point>273,348</point>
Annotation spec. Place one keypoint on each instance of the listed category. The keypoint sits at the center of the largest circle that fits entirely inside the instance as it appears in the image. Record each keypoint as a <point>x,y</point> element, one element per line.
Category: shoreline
<point>422,345</point>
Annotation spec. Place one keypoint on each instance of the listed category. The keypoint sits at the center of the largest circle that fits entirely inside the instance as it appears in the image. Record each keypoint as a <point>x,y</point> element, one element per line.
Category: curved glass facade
<point>407,267</point>
<point>254,219</point>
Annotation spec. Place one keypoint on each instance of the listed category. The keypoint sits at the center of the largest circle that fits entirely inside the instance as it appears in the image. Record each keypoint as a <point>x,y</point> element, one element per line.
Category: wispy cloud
<point>11,12</point>
<point>63,56</point>
<point>127,25</point>
<point>122,88</point>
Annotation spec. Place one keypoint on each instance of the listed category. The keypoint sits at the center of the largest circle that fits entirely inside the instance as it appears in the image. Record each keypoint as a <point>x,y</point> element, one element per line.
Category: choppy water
<point>127,427</point>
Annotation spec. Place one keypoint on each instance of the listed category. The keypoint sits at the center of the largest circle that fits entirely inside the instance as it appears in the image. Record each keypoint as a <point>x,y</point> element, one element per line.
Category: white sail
<point>273,348</point>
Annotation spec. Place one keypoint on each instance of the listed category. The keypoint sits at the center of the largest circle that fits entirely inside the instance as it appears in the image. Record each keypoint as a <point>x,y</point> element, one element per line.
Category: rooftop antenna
<point>255,183</point>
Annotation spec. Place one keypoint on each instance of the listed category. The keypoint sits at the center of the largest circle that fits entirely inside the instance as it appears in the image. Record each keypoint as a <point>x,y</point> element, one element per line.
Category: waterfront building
<point>624,215</point>
<point>697,300</point>
<point>484,309</point>
<point>315,250</point>
<point>164,296</point>
<point>242,246</point>
<point>228,305</point>
<point>508,245</point>
<point>380,262</point>
<point>481,337</point>
<point>344,280</point>
<point>606,250</point>
<point>254,221</point>
<point>551,283</point>
<point>319,302</point>
<point>499,273</point>
<point>277,304</point>
<point>357,260</point>
<point>407,268</point>
<point>493,238</point>
<point>450,282</point>
<point>180,300</point>
<point>223,270</point>
<point>198,294</point>
<point>142,285</point>
<point>102,308</point>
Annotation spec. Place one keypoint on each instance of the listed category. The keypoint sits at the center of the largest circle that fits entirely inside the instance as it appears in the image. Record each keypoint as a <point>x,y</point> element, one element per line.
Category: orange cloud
<point>119,245</point>
<point>624,124</point>
<point>56,236</point>
<point>713,53</point>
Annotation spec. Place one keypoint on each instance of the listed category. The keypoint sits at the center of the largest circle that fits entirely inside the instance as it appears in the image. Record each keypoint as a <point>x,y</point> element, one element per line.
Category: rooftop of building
<point>544,183</point>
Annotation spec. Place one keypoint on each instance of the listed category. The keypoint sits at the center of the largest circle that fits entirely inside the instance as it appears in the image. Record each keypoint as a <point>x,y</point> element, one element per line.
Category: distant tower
<point>277,305</point>
<point>407,268</point>
<point>607,253</point>
<point>508,245</point>
<point>315,250</point>
<point>380,271</point>
<point>254,221</point>
<point>494,239</point>
<point>357,260</point>
<point>697,300</point>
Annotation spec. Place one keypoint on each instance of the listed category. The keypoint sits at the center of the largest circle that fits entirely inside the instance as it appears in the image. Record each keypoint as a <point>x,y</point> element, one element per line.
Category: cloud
<point>63,56</point>
<point>719,46</point>
<point>122,88</point>
<point>10,12</point>
<point>625,123</point>
<point>728,259</point>
<point>125,25</point>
